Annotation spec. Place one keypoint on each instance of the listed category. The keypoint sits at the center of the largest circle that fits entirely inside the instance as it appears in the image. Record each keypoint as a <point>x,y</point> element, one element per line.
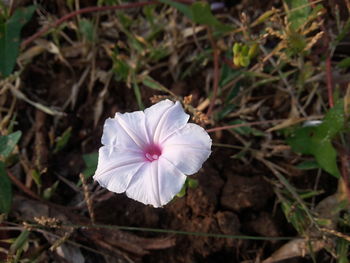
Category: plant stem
<point>329,76</point>
<point>242,125</point>
<point>216,53</point>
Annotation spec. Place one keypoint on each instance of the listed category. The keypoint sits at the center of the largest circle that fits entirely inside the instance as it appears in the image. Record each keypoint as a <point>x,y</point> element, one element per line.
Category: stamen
<point>152,152</point>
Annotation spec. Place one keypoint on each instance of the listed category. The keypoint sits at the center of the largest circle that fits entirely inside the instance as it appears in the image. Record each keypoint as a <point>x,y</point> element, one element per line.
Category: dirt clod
<point>241,192</point>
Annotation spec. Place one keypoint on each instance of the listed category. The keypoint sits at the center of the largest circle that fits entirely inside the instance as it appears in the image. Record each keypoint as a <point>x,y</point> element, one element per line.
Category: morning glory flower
<point>148,154</point>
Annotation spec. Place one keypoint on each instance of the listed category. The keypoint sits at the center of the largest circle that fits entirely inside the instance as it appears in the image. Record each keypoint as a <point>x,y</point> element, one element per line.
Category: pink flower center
<point>152,152</point>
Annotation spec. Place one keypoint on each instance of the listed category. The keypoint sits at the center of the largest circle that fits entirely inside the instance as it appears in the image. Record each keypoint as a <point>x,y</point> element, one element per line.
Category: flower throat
<point>152,152</point>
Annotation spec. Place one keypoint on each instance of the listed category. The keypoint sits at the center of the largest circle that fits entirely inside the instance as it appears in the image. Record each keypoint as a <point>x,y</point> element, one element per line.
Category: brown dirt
<point>222,203</point>
<point>232,198</point>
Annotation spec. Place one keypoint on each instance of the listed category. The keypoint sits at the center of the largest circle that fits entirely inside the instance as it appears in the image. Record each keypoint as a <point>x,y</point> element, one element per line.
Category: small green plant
<point>189,183</point>
<point>7,145</point>
<point>243,54</point>
<point>317,140</point>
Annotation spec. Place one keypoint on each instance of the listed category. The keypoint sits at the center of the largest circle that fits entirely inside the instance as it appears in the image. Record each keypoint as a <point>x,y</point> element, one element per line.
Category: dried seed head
<point>200,118</point>
<point>157,98</point>
<point>187,99</point>
<point>48,221</point>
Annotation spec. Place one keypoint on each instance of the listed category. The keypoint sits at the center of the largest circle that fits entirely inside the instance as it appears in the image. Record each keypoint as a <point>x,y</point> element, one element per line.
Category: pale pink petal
<point>134,123</point>
<point>164,118</point>
<point>171,180</point>
<point>117,167</point>
<point>156,183</point>
<point>155,112</point>
<point>187,148</point>
<point>115,135</point>
<point>143,186</point>
<point>126,130</point>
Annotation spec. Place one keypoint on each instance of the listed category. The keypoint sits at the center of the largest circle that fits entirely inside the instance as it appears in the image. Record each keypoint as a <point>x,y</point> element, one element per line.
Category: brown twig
<point>261,123</point>
<point>21,186</point>
<point>216,53</point>
<point>41,152</point>
<point>87,198</point>
<point>329,76</point>
<point>242,125</point>
<point>344,155</point>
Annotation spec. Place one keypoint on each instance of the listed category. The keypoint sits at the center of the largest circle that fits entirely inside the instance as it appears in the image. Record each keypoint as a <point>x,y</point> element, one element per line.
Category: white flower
<point>148,154</point>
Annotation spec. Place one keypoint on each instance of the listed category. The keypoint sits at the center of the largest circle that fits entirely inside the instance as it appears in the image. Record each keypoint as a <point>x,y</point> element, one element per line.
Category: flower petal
<point>134,123</point>
<point>171,180</point>
<point>126,130</point>
<point>117,167</point>
<point>156,183</point>
<point>164,118</point>
<point>141,187</point>
<point>114,135</point>
<point>187,148</point>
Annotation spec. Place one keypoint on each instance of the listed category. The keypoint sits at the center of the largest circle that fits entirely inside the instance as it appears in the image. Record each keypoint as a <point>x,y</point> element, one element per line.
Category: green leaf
<point>317,140</point>
<point>227,75</point>
<point>120,68</point>
<point>333,122</point>
<point>182,192</point>
<point>181,7</point>
<point>199,12</point>
<point>189,183</point>
<point>138,95</point>
<point>86,28</point>
<point>295,215</point>
<point>36,177</point>
<point>48,192</point>
<point>343,33</point>
<point>5,190</point>
<point>327,158</point>
<point>226,110</point>
<point>63,140</point>
<point>342,247</point>
<point>148,11</point>
<point>20,242</point>
<point>308,165</point>
<point>298,15</point>
<point>297,43</point>
<point>8,143</point>
<point>153,84</point>
<point>305,194</point>
<point>202,15</point>
<point>344,63</point>
<point>90,160</point>
<point>306,141</point>
<point>192,183</point>
<point>246,130</point>
<point>10,38</point>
